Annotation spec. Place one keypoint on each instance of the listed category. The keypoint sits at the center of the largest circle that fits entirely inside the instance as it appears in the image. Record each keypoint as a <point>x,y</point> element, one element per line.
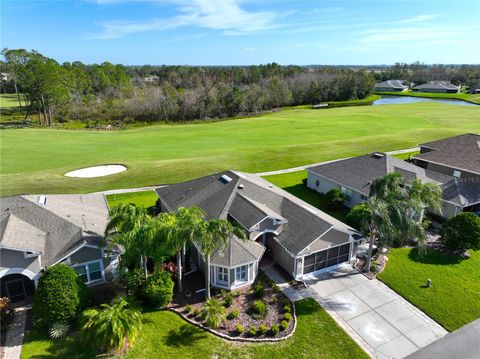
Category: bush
<point>259,309</point>
<point>258,290</point>
<point>59,330</point>
<point>61,295</point>
<point>158,289</point>
<point>133,281</point>
<point>196,312</point>
<point>287,308</point>
<point>233,314</point>
<point>252,331</point>
<point>283,325</point>
<point>262,329</point>
<point>228,300</point>
<point>288,317</point>
<point>188,308</point>
<point>239,328</point>
<point>6,313</point>
<point>276,289</point>
<point>274,329</point>
<point>271,283</point>
<point>214,313</point>
<point>237,294</point>
<point>359,217</point>
<point>335,198</point>
<point>462,232</point>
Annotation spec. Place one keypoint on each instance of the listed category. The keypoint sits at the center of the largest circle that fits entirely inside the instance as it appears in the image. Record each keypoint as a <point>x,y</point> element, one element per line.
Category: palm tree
<point>185,230</point>
<point>113,327</point>
<point>212,235</point>
<point>213,313</point>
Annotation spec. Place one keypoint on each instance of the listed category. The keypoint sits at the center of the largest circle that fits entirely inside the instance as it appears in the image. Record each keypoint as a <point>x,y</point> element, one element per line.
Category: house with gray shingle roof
<point>353,176</point>
<point>299,237</point>
<point>37,232</point>
<point>437,87</point>
<point>391,86</point>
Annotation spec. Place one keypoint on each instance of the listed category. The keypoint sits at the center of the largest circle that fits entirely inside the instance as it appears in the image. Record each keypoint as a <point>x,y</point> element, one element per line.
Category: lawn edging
<point>239,339</point>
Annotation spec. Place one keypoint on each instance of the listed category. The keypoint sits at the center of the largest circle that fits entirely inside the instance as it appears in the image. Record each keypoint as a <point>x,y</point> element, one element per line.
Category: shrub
<point>239,328</point>
<point>158,289</point>
<point>283,325</point>
<point>288,317</point>
<point>61,295</point>
<point>213,313</point>
<point>274,329</point>
<point>262,329</point>
<point>223,293</point>
<point>252,331</point>
<point>111,327</point>
<point>335,198</point>
<point>133,281</point>
<point>228,300</point>
<point>196,312</point>
<point>188,308</point>
<point>359,217</point>
<point>170,267</point>
<point>59,330</point>
<point>276,289</point>
<point>287,308</point>
<point>259,309</point>
<point>271,283</point>
<point>237,293</point>
<point>6,313</point>
<point>258,290</point>
<point>233,314</point>
<point>462,232</point>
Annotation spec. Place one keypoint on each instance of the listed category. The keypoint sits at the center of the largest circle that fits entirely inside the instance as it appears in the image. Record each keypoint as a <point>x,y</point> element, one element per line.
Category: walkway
<point>380,320</point>
<point>300,168</point>
<point>15,334</point>
<point>128,190</point>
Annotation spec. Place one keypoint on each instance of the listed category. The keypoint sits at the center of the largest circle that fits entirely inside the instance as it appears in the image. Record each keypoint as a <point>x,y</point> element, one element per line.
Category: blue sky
<point>238,32</point>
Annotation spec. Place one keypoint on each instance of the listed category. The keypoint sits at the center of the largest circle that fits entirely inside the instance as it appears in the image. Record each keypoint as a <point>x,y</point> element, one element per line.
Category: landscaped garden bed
<point>259,312</point>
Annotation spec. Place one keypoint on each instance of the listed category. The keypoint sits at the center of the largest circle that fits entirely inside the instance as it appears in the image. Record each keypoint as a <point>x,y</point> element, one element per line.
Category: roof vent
<point>378,155</point>
<point>241,186</point>
<point>225,179</point>
<point>42,199</point>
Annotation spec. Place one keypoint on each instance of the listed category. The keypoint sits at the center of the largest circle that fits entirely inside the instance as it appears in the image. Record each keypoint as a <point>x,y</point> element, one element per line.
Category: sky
<point>244,32</point>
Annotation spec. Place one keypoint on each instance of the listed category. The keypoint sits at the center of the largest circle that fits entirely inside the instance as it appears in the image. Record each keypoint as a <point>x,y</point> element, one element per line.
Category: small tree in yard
<point>214,313</point>
<point>335,198</point>
<point>359,217</point>
<point>61,295</point>
<point>462,232</point>
<point>113,328</point>
<point>158,289</point>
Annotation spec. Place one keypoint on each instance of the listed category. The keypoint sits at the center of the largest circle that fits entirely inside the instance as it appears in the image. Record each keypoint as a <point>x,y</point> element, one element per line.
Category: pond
<point>399,100</point>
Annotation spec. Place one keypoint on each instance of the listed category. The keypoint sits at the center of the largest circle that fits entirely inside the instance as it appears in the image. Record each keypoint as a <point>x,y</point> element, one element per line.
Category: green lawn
<point>34,160</point>
<point>144,199</point>
<point>454,297</point>
<point>292,182</point>
<point>474,98</point>
<point>404,156</point>
<point>8,100</point>
<point>166,335</point>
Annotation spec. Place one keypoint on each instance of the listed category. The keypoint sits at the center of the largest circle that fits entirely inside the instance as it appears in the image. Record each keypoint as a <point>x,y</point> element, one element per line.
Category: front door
<point>15,290</point>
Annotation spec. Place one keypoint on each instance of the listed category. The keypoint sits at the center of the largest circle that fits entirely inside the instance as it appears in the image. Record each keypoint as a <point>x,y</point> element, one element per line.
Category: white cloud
<point>225,15</point>
<point>416,19</point>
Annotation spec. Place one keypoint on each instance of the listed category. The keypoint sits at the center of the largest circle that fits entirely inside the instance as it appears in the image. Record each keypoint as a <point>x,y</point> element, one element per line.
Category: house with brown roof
<point>297,236</point>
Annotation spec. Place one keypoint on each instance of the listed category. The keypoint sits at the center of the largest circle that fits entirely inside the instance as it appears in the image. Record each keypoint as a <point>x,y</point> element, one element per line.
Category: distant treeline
<point>107,93</point>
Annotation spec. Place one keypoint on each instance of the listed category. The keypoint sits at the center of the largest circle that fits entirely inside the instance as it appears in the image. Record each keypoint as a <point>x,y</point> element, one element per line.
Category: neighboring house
<point>475,89</point>
<point>5,76</point>
<point>299,237</point>
<point>151,78</point>
<point>437,86</point>
<point>40,231</point>
<point>391,86</point>
<point>353,176</point>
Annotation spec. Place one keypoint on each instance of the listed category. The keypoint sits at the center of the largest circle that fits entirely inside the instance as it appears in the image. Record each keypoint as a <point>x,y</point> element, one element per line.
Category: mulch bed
<point>242,301</point>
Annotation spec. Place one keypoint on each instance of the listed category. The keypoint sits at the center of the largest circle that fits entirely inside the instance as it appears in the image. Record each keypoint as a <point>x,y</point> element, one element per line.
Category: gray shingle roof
<point>28,225</point>
<point>392,84</point>
<point>462,152</point>
<point>461,193</point>
<point>438,85</point>
<point>217,199</point>
<point>237,253</point>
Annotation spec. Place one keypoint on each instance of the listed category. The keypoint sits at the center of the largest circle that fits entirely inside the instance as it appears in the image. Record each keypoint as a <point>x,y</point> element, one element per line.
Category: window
<point>222,275</point>
<point>347,192</point>
<point>326,258</point>
<point>89,272</point>
<point>457,174</point>
<point>364,198</point>
<point>241,274</point>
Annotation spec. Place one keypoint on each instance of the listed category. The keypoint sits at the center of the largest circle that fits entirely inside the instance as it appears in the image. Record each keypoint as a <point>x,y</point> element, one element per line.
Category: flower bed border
<point>239,339</point>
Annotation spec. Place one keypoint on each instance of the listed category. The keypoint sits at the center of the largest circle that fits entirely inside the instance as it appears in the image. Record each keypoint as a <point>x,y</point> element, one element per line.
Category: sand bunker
<point>97,171</point>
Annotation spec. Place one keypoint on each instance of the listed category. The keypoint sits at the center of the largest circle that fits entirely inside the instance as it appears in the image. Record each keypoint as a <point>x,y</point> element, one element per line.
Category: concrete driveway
<point>380,320</point>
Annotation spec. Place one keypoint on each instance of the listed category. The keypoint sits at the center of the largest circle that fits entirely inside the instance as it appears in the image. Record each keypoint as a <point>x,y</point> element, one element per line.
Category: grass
<point>144,199</point>
<point>454,297</point>
<point>166,335</point>
<point>365,101</point>
<point>473,98</point>
<point>292,182</point>
<point>8,100</point>
<point>34,160</point>
<point>407,155</point>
